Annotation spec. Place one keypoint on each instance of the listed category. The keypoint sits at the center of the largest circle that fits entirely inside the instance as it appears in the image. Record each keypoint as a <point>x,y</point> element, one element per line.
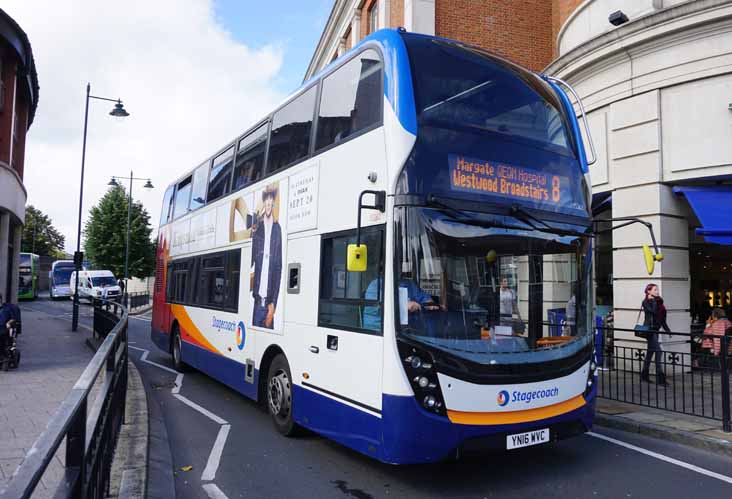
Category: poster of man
<point>266,271</point>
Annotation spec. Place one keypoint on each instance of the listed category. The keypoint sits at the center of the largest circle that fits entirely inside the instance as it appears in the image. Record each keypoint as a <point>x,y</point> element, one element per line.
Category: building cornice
<point>335,27</point>
<point>582,56</point>
<point>18,40</point>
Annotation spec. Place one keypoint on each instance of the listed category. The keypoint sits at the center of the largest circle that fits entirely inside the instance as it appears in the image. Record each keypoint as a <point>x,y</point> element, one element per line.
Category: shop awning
<point>712,205</point>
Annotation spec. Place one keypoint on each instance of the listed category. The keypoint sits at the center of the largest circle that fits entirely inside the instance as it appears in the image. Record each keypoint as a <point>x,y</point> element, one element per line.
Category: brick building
<point>657,86</point>
<point>18,101</point>
<point>521,30</point>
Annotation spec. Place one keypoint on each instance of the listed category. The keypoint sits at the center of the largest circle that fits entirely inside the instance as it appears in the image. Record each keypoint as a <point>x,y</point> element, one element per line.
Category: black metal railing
<point>138,300</point>
<point>90,429</point>
<point>693,382</point>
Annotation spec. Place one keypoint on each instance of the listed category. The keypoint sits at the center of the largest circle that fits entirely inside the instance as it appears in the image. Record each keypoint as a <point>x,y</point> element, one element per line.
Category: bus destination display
<point>515,182</point>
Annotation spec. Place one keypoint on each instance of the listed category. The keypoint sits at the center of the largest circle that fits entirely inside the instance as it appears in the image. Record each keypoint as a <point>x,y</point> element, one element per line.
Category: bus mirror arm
<point>650,258</point>
<point>569,87</point>
<point>379,204</point>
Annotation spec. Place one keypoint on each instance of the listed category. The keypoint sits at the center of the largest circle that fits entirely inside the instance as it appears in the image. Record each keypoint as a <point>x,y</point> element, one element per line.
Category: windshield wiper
<point>458,95</point>
<point>521,214</point>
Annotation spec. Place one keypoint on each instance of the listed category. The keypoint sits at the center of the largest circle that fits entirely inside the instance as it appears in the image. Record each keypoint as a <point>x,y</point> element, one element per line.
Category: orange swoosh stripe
<point>499,418</point>
<point>180,314</point>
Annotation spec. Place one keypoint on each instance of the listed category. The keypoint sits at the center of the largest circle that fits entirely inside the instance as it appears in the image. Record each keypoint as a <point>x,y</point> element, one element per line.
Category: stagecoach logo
<point>222,324</point>
<point>241,335</point>
<point>502,398</point>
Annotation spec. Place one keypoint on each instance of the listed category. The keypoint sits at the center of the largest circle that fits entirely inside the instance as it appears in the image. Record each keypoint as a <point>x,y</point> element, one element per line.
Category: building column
<point>355,28</point>
<point>4,242</point>
<point>16,234</point>
<point>419,16</point>
<point>384,7</point>
<point>636,166</point>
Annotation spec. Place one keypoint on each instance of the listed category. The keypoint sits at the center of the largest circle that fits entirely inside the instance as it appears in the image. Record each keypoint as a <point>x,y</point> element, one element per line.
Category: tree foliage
<point>105,234</point>
<point>40,236</point>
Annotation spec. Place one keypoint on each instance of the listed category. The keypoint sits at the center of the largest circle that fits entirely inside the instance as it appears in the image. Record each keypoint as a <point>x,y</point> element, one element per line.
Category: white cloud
<point>189,86</point>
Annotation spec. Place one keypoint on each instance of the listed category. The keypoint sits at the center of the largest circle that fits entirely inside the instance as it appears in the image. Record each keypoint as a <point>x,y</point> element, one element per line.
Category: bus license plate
<point>527,439</point>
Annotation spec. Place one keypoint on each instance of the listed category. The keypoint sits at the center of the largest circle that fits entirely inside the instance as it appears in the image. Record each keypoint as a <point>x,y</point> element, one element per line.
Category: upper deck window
<point>167,204</point>
<point>218,184</point>
<point>351,99</point>
<point>466,89</point>
<point>198,196</point>
<point>182,195</point>
<point>250,158</point>
<point>291,126</point>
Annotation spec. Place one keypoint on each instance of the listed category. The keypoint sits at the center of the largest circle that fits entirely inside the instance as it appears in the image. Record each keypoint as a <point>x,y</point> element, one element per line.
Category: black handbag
<point>641,331</point>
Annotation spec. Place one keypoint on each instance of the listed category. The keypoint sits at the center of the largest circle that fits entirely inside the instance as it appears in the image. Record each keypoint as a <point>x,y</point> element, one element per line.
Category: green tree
<point>39,234</point>
<point>105,234</point>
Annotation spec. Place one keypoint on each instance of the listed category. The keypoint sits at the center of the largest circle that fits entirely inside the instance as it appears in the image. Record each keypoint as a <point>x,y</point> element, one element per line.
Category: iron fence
<point>138,300</point>
<point>694,382</point>
<point>89,430</point>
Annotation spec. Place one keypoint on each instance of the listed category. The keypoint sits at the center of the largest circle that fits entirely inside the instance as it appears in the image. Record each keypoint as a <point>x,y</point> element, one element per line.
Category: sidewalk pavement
<point>52,360</point>
<point>702,433</point>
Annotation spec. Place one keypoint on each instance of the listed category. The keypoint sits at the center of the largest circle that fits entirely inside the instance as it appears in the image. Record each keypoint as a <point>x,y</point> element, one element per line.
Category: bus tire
<point>279,396</point>
<point>176,349</point>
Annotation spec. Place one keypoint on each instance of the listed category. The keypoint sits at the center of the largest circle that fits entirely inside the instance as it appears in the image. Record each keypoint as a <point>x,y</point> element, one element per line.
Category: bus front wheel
<point>279,396</point>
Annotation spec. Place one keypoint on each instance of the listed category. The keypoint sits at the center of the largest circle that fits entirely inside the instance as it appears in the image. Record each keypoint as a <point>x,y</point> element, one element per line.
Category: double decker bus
<point>28,271</point>
<point>376,260</point>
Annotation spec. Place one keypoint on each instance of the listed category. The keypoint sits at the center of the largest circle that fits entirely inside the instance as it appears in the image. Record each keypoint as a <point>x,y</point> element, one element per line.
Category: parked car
<point>95,284</point>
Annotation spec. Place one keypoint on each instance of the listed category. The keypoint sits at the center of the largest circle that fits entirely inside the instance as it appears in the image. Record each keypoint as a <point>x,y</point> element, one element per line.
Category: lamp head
<point>119,110</point>
<point>148,184</point>
<point>113,183</point>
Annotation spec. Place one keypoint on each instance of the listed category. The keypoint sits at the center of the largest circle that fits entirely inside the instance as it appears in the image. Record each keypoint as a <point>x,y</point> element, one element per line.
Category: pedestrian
<point>718,325</point>
<point>655,319</point>
<point>6,315</point>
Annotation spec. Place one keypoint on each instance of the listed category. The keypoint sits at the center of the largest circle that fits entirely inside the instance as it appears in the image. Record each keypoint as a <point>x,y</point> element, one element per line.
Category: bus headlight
<point>423,382</point>
<point>430,402</point>
<point>419,366</point>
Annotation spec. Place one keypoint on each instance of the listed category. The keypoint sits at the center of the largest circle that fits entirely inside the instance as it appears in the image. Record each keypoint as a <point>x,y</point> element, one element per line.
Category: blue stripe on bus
<point>573,123</point>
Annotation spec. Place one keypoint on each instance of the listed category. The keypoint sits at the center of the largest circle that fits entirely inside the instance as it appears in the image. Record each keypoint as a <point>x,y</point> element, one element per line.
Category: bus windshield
<point>62,275</point>
<point>489,288</point>
<point>25,261</point>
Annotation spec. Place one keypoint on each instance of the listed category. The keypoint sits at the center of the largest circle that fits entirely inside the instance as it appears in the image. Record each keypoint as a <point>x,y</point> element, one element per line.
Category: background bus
<point>28,271</point>
<point>59,278</point>
<point>465,180</point>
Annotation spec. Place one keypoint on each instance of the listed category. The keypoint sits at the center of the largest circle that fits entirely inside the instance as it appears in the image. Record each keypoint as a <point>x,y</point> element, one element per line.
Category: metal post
<point>724,372</point>
<point>75,313</point>
<point>127,244</point>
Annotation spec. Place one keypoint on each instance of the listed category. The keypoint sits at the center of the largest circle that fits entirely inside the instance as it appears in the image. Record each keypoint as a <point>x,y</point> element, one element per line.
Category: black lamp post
<point>148,185</point>
<point>118,112</point>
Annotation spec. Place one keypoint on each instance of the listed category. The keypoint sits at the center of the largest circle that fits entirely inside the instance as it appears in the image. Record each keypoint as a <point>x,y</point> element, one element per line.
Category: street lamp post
<point>118,112</point>
<point>148,185</point>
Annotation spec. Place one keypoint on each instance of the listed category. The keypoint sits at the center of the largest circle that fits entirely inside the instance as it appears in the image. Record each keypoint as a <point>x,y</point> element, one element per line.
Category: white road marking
<point>209,473</point>
<point>214,492</point>
<point>210,415</point>
<point>697,469</point>
<point>214,458</point>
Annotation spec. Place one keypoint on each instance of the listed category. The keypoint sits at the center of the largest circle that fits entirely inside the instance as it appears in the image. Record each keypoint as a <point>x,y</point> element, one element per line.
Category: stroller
<point>10,358</point>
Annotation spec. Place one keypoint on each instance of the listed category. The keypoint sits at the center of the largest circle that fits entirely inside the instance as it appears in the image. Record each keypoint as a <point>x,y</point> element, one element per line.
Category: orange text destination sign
<point>515,182</point>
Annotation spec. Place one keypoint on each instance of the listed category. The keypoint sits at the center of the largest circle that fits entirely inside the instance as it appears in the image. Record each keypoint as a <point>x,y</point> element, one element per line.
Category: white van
<point>95,284</point>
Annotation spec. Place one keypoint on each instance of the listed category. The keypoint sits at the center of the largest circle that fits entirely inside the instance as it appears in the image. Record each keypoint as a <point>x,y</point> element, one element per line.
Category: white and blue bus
<point>59,277</point>
<point>377,260</point>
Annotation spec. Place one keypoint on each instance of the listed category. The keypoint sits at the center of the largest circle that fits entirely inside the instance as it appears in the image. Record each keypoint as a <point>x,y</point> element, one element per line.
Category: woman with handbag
<point>654,320</point>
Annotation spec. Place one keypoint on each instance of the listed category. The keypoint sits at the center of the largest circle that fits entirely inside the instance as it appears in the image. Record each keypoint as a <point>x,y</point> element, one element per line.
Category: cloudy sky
<point>192,73</point>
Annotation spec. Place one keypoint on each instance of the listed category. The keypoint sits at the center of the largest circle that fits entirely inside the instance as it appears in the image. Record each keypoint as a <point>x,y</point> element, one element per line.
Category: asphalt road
<point>229,441</point>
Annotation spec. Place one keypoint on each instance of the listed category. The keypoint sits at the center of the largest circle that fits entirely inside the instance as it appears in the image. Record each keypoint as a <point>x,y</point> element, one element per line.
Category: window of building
<point>167,204</point>
<point>352,300</point>
<point>351,99</point>
<point>198,192</point>
<point>250,158</point>
<point>374,16</point>
<point>290,137</point>
<point>218,184</point>
<point>182,195</point>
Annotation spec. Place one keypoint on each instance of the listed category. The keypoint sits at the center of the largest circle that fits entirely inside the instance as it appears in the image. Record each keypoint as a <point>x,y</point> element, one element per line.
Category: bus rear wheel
<point>279,397</point>
<point>177,351</point>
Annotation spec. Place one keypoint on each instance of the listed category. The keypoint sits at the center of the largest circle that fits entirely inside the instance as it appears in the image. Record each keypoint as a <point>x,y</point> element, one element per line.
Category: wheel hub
<point>279,394</point>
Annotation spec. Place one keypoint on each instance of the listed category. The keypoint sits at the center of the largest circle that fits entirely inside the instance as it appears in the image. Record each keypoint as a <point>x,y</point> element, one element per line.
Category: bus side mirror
<point>357,259</point>
<point>651,259</point>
